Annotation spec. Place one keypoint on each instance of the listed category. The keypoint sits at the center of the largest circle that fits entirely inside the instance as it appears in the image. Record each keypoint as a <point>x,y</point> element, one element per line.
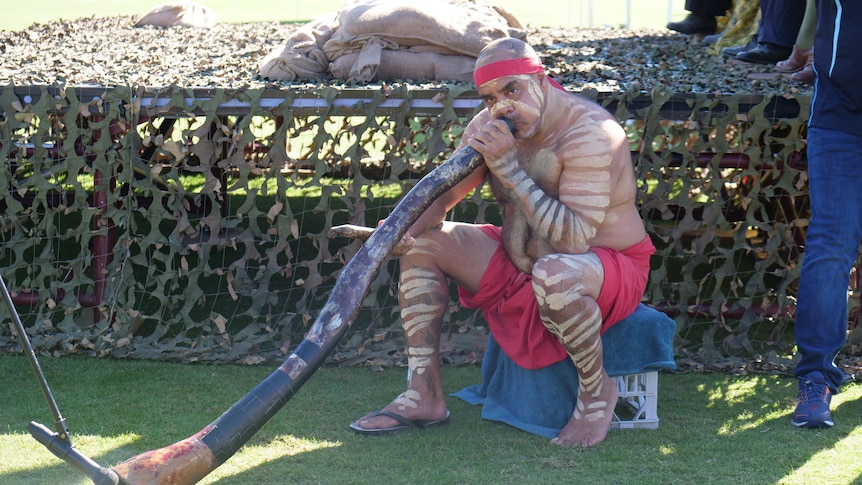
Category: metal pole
<point>59,421</point>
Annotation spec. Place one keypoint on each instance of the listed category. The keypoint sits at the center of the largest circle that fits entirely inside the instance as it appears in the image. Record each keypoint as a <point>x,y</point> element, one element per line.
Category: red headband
<point>510,67</point>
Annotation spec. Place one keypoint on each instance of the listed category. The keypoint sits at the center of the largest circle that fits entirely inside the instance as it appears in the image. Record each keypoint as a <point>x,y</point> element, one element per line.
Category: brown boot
<point>798,59</point>
<point>806,75</point>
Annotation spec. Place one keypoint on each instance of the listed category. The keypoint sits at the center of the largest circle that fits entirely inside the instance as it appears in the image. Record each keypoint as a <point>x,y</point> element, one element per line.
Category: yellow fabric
<point>741,27</point>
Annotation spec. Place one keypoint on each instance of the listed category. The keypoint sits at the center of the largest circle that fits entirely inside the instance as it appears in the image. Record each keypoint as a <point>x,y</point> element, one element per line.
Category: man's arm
<point>570,220</point>
<point>569,223</point>
<point>436,213</point>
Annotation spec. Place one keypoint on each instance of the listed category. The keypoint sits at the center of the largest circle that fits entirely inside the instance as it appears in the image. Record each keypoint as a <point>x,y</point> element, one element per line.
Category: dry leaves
<point>110,51</point>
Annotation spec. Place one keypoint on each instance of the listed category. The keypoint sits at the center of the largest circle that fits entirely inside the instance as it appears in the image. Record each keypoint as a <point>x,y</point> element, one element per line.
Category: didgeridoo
<point>189,460</point>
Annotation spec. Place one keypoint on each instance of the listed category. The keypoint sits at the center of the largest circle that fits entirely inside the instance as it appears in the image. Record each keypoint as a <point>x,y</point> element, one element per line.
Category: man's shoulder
<point>588,106</point>
<point>585,114</point>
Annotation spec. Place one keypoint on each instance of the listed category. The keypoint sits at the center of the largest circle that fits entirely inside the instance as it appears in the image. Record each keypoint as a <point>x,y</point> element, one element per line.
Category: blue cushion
<point>542,401</point>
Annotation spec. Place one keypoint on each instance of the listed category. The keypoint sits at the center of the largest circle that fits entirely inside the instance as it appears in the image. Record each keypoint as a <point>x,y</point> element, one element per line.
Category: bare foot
<point>592,417</point>
<point>408,405</point>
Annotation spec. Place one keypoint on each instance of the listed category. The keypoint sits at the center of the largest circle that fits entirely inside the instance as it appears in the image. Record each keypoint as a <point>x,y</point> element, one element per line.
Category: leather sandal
<point>806,75</point>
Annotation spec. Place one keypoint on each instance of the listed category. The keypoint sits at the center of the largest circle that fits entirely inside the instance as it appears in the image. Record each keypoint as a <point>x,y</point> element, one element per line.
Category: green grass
<point>714,428</point>
<point>553,13</point>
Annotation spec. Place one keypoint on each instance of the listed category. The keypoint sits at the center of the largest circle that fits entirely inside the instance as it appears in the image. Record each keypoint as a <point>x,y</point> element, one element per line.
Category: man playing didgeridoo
<point>570,260</point>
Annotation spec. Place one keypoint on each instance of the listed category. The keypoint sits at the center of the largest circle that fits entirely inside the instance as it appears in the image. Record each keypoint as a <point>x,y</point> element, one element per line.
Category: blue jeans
<point>832,243</point>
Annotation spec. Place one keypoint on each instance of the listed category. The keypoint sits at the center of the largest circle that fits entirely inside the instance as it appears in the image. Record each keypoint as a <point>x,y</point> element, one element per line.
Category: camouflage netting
<point>192,225</point>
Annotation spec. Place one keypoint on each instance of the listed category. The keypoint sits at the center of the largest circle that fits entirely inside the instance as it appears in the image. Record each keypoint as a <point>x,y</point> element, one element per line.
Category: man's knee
<point>554,288</point>
<point>429,246</point>
<point>555,273</point>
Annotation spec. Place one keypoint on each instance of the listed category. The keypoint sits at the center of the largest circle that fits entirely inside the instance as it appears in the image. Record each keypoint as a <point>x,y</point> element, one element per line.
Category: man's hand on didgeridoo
<point>363,233</point>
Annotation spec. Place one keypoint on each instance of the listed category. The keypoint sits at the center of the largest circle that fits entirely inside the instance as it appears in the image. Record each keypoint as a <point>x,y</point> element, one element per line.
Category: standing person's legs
<point>801,57</point>
<point>781,21</point>
<point>779,26</point>
<point>701,17</point>
<point>831,247</point>
<point>805,45</point>
<point>709,8</point>
<point>743,26</point>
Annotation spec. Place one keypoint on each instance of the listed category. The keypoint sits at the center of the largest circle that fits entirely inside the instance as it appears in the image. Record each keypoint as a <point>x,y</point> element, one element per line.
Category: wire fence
<point>193,225</point>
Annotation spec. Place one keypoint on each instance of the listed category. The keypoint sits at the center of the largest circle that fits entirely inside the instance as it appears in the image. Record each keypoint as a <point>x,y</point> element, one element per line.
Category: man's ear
<point>542,77</point>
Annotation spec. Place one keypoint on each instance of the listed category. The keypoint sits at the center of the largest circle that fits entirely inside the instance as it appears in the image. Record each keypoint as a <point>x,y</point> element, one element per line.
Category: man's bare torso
<point>587,161</point>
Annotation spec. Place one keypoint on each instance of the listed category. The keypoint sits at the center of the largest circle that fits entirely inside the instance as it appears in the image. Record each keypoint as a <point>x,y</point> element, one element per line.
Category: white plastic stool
<point>636,407</point>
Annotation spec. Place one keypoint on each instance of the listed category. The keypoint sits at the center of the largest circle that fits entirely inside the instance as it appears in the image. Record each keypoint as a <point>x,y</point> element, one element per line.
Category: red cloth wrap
<point>510,67</point>
<point>507,302</point>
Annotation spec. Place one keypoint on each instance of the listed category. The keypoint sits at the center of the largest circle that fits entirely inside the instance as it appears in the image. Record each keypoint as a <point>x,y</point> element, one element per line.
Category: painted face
<point>517,97</point>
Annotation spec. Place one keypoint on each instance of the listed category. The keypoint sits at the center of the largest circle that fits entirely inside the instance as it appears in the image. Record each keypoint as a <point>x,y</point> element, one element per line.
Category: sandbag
<point>435,40</point>
<point>179,14</point>
<point>444,26</point>
<point>394,64</point>
<point>302,57</point>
